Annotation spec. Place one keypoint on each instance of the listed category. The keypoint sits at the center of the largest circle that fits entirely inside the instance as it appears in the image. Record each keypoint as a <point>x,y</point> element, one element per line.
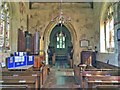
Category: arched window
<point>4,27</point>
<point>110,29</point>
<point>61,40</point>
<point>107,32</point>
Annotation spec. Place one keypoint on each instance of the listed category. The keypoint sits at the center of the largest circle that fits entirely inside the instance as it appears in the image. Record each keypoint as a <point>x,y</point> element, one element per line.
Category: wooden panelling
<point>89,58</point>
<point>21,41</point>
<point>37,62</point>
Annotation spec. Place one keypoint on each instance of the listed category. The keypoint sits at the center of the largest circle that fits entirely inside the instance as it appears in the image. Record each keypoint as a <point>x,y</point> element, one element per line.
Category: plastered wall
<point>81,16</point>
<point>85,20</point>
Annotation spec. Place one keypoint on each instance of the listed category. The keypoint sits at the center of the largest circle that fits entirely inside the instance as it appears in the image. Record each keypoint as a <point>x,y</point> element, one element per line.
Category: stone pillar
<point>41,46</point>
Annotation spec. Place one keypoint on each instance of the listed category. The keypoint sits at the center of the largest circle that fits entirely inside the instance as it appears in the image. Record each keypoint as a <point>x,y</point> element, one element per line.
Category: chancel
<point>59,44</point>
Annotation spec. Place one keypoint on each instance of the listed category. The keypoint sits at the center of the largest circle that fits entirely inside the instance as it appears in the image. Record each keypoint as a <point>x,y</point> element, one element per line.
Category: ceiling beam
<point>60,0</point>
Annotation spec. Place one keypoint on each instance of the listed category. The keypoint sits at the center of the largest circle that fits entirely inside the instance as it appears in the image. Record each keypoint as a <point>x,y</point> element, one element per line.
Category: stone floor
<point>61,78</point>
<point>62,64</point>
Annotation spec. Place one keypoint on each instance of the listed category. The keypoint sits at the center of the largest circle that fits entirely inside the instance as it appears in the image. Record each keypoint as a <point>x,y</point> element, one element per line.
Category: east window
<point>61,40</point>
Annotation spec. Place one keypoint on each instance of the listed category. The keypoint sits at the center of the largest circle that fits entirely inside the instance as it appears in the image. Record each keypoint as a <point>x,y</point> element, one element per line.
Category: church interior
<point>59,45</point>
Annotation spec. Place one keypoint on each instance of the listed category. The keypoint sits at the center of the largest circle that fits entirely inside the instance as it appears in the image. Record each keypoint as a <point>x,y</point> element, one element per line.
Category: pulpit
<point>88,58</point>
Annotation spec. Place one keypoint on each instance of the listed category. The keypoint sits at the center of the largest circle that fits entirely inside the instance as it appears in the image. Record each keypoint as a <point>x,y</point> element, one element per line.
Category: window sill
<point>107,52</point>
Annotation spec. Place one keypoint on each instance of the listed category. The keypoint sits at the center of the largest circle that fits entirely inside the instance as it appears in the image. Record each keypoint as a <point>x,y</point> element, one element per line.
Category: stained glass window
<point>60,40</point>
<point>4,26</point>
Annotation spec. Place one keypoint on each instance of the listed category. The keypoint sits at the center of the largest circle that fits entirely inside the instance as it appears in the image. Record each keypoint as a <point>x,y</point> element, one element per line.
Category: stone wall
<point>81,16</point>
<point>104,57</point>
<point>112,57</point>
<point>19,13</point>
<point>102,65</point>
<point>85,20</point>
<point>18,19</point>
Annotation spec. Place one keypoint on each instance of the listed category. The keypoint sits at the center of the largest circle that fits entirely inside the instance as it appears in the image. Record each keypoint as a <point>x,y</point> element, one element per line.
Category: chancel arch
<point>49,29</point>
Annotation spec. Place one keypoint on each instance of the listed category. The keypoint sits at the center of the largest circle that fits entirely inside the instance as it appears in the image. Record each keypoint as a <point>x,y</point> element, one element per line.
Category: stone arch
<point>49,28</point>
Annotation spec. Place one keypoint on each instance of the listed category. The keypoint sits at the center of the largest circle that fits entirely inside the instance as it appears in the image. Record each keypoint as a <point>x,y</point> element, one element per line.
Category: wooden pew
<point>42,74</point>
<point>107,87</point>
<point>106,73</point>
<point>25,73</point>
<point>81,75</point>
<point>14,87</point>
<point>93,80</point>
<point>31,81</point>
<point>96,69</point>
<point>35,73</point>
<point>77,74</point>
<point>98,76</point>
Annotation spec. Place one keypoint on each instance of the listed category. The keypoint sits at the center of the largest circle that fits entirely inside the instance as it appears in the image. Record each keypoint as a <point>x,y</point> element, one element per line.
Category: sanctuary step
<point>61,57</point>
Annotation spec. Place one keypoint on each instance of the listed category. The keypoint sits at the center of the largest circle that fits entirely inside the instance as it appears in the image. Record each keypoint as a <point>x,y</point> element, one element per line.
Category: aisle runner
<point>61,64</point>
<point>61,79</point>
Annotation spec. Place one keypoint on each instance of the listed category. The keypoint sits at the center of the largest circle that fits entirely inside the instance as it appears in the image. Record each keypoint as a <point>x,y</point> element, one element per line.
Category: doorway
<point>59,46</point>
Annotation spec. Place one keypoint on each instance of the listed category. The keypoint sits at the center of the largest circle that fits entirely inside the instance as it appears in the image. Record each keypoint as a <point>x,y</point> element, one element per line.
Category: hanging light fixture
<point>61,18</point>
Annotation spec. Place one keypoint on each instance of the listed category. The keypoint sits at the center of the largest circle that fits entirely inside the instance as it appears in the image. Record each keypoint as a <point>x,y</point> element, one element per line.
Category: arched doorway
<point>60,45</point>
<point>49,29</point>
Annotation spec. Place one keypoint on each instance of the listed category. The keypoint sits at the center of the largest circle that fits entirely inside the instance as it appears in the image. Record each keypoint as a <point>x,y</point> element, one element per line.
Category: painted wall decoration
<point>21,7</point>
<point>4,27</point>
<point>1,27</point>
<point>22,11</point>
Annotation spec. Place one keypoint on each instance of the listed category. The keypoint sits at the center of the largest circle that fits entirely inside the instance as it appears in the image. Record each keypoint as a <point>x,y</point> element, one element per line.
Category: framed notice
<point>84,43</point>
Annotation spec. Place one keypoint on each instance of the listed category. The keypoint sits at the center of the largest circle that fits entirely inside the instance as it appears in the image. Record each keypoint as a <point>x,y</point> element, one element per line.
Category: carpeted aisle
<point>61,78</point>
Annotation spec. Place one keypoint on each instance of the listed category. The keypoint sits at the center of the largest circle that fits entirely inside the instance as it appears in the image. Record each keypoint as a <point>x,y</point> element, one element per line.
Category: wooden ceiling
<point>85,4</point>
